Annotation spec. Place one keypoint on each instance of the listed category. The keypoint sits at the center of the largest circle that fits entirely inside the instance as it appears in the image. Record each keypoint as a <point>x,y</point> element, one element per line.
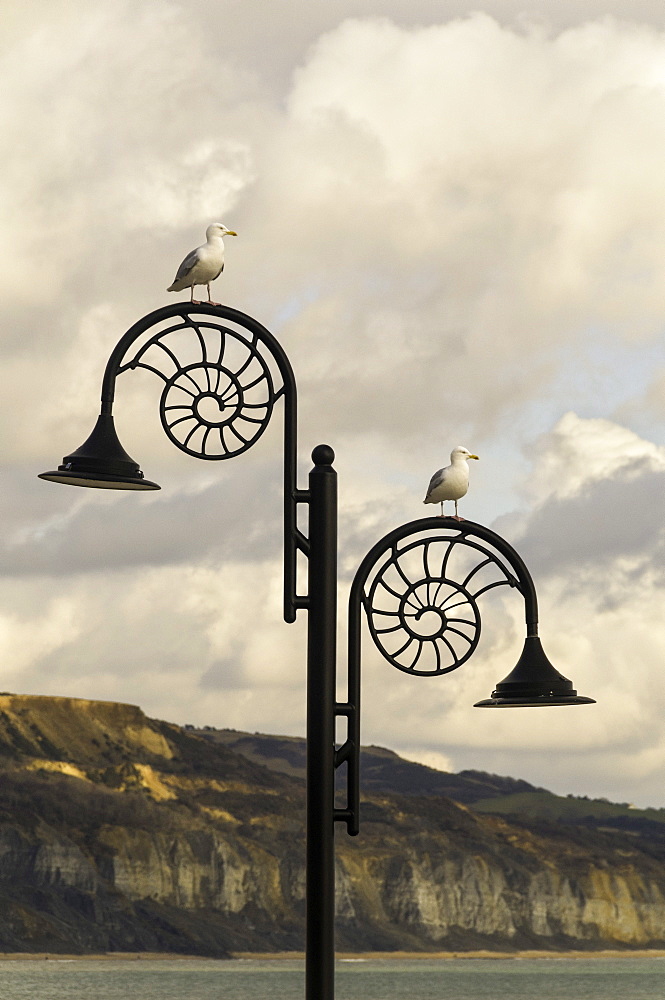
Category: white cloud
<point>578,453</point>
<point>23,640</point>
<point>437,212</point>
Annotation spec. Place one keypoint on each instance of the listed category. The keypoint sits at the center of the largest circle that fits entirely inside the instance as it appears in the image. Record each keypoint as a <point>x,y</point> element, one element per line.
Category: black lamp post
<point>222,375</point>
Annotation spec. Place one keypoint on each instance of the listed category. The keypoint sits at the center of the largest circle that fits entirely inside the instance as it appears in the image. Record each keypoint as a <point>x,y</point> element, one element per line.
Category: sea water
<point>356,979</point>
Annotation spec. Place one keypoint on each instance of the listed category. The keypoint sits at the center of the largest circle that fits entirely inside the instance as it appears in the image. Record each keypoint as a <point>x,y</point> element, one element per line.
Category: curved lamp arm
<point>419,587</point>
<point>223,373</point>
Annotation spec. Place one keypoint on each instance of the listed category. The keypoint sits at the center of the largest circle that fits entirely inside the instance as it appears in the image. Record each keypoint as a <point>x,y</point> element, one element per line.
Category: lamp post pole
<point>321,668</point>
<point>222,375</point>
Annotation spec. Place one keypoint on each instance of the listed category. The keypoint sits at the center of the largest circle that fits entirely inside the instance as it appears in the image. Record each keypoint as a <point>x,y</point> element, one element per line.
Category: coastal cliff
<point>119,832</point>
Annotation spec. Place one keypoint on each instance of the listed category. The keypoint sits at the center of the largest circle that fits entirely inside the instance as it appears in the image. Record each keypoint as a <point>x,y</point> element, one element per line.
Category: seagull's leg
<point>456,515</point>
<point>195,302</point>
<point>210,302</point>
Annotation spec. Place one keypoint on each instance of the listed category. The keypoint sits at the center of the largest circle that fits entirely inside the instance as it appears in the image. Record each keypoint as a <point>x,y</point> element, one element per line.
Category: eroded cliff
<point>118,832</point>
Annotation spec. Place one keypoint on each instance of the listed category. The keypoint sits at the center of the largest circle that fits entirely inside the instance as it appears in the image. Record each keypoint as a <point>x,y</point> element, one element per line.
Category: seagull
<point>204,264</point>
<point>452,482</point>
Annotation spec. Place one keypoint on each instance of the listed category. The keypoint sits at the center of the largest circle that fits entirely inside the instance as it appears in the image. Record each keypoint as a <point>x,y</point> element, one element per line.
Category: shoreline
<point>416,956</point>
<point>343,956</point>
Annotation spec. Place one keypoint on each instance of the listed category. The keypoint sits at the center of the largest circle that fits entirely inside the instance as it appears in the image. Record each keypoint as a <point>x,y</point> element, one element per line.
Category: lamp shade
<point>533,682</point>
<point>101,462</point>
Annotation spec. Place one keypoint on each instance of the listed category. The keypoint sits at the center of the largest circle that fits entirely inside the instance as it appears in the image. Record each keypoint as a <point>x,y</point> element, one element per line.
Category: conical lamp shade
<point>534,681</point>
<point>101,462</point>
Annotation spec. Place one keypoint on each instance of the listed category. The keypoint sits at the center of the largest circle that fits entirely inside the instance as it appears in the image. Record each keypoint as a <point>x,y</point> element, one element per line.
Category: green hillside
<point>383,772</point>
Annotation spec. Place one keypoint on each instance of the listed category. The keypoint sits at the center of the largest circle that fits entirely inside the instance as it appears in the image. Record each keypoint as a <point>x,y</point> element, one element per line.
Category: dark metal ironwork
<point>228,379</point>
<point>218,393</point>
<point>321,665</point>
<point>423,619</point>
<point>419,587</point>
<point>223,374</point>
<point>102,462</point>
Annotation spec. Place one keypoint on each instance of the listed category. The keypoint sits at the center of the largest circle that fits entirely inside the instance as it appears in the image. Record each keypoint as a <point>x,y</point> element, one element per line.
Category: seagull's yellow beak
<point>472,456</point>
<point>229,232</point>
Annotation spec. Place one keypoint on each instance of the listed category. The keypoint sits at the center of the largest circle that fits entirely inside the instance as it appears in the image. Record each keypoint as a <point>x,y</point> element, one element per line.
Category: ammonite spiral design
<point>219,391</point>
<point>422,606</point>
<point>212,411</point>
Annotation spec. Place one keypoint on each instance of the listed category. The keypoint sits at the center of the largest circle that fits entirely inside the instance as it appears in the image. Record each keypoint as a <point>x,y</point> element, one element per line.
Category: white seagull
<point>452,482</point>
<point>204,264</point>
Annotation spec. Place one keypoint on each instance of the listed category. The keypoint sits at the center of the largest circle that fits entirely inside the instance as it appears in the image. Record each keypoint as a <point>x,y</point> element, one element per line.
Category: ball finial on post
<point>323,455</point>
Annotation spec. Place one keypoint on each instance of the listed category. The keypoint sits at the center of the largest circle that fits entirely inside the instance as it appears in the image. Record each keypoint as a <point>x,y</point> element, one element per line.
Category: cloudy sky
<point>451,214</point>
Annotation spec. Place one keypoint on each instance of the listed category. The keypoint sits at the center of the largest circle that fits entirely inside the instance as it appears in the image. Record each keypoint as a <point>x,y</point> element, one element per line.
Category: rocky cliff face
<point>489,883</point>
<point>118,832</point>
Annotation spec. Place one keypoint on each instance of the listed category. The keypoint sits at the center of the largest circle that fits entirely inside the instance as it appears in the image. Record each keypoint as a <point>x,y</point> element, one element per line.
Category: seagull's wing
<point>190,261</point>
<point>436,480</point>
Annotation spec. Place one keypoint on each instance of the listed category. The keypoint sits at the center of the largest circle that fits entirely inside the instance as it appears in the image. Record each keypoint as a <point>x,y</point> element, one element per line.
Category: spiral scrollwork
<point>421,601</point>
<point>219,385</point>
